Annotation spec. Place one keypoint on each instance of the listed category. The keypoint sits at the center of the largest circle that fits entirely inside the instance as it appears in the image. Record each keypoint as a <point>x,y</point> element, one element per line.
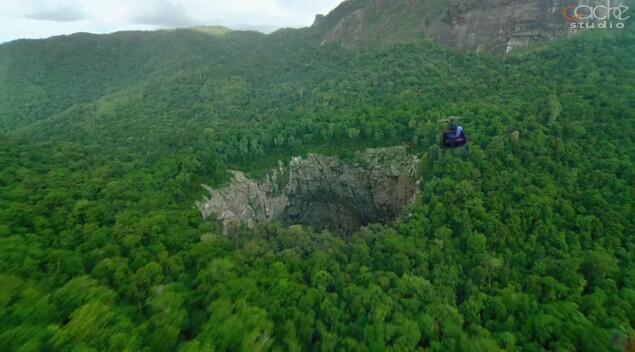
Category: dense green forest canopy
<point>526,244</point>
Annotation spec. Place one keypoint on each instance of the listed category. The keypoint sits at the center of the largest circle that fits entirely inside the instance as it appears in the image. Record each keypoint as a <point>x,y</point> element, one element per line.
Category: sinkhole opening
<point>345,205</point>
<point>320,192</point>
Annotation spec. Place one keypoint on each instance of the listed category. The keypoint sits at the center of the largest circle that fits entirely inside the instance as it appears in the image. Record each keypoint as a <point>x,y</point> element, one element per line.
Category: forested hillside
<point>526,244</point>
<point>45,77</point>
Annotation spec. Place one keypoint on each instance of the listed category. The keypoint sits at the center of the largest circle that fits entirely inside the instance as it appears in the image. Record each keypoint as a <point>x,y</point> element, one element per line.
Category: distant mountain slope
<point>498,26</point>
<point>42,78</point>
<point>39,78</point>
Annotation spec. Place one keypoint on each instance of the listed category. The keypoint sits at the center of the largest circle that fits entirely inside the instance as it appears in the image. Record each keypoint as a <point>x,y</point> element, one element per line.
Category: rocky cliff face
<point>498,26</point>
<point>320,192</point>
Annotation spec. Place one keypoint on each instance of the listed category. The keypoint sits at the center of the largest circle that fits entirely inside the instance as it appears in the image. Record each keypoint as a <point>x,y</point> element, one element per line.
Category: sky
<point>45,18</point>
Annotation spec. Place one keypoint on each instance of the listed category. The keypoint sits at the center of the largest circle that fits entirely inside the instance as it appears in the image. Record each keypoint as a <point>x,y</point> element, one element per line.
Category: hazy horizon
<point>37,19</point>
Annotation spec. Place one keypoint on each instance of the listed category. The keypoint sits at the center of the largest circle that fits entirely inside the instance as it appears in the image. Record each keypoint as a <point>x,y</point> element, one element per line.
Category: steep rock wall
<point>499,26</point>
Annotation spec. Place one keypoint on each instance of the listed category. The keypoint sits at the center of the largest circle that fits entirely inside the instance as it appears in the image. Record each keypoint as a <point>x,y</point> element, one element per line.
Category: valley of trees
<point>525,245</point>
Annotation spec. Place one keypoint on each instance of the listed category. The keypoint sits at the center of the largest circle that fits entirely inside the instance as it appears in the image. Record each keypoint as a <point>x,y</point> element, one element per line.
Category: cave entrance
<point>345,207</point>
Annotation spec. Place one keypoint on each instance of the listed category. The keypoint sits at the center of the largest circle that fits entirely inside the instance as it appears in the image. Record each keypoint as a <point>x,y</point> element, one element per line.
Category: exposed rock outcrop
<point>499,26</point>
<point>320,192</point>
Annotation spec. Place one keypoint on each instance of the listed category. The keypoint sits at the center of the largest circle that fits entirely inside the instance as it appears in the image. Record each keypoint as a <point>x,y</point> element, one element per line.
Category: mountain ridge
<point>498,26</point>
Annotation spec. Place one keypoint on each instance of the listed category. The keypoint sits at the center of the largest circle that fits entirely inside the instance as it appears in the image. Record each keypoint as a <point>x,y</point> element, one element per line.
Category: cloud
<point>164,13</point>
<point>60,14</point>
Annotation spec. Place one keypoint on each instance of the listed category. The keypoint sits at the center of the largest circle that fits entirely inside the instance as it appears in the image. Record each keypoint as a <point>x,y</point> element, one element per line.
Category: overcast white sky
<point>45,18</point>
